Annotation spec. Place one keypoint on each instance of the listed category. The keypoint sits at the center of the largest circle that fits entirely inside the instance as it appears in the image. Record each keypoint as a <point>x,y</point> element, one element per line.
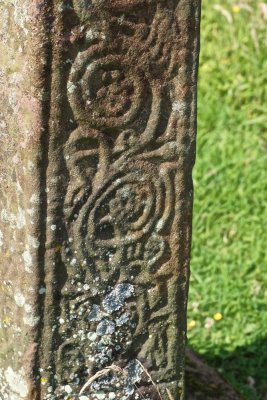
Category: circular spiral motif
<point>123,213</point>
<point>103,92</point>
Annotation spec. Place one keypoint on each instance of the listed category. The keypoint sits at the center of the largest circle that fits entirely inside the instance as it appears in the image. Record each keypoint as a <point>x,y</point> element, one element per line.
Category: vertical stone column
<point>98,132</point>
<point>25,73</point>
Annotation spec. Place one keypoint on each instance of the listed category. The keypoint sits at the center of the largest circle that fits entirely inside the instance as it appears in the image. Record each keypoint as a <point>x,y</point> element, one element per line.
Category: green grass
<point>229,254</point>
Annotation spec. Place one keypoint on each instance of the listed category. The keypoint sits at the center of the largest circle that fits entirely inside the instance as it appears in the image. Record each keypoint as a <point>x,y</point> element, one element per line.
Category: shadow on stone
<point>246,366</point>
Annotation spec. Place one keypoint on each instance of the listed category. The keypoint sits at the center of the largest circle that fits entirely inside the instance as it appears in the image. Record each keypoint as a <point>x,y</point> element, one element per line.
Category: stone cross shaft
<point>97,133</point>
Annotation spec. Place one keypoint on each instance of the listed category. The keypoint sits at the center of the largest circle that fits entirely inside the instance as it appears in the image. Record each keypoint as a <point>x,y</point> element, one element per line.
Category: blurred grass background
<point>227,313</point>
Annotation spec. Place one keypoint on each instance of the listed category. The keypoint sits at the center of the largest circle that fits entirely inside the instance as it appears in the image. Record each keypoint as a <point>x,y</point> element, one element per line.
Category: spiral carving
<point>124,155</point>
<point>103,93</point>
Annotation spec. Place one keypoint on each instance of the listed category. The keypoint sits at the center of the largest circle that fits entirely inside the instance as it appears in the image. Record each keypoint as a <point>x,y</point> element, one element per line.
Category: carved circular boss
<point>103,91</point>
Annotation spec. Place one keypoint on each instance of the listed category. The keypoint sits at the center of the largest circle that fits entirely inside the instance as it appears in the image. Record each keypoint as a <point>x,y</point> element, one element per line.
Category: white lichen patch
<point>13,385</point>
<point>115,300</point>
<point>122,320</point>
<point>134,373</point>
<point>179,107</point>
<point>30,211</point>
<point>105,327</point>
<point>21,14</point>
<point>93,34</point>
<point>14,220</point>
<point>19,299</point>
<point>27,258</point>
<point>35,199</point>
<point>18,188</point>
<point>159,225</point>
<point>71,87</point>
<point>31,320</point>
<point>28,308</point>
<point>42,290</point>
<point>30,166</point>
<point>3,125</point>
<point>33,242</point>
<point>68,389</point>
<point>1,238</point>
<point>95,313</point>
<point>20,220</point>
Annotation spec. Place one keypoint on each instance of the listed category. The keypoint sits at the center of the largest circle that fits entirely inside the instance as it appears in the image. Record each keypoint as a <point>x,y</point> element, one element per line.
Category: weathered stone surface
<point>22,88</point>
<point>96,197</point>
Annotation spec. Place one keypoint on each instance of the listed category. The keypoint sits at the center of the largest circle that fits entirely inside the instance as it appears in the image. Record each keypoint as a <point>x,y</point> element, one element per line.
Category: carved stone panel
<point>118,145</point>
<point>119,199</point>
